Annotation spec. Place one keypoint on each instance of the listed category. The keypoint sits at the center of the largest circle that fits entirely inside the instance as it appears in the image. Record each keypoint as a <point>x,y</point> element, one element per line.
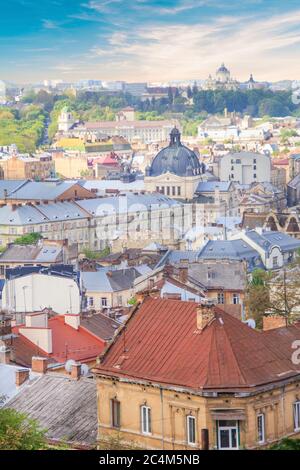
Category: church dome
<point>223,69</point>
<point>176,158</point>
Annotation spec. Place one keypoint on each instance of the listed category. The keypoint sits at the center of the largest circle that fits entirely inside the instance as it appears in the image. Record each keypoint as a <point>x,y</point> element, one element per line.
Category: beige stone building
<point>190,377</point>
<point>20,167</point>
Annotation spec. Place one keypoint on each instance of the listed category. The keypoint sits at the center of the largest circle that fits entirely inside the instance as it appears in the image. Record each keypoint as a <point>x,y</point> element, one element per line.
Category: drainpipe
<point>162,417</point>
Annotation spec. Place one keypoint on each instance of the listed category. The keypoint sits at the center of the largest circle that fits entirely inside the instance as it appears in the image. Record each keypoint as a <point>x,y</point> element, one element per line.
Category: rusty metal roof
<point>161,343</point>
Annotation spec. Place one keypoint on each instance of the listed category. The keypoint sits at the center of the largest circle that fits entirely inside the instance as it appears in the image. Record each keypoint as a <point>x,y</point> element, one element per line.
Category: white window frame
<point>103,301</point>
<point>296,414</point>
<point>146,426</point>
<point>236,298</point>
<point>190,418</point>
<point>229,429</point>
<point>261,439</point>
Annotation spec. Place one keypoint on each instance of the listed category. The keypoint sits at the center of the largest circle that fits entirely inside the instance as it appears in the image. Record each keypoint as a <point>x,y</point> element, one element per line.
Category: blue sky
<point>148,40</point>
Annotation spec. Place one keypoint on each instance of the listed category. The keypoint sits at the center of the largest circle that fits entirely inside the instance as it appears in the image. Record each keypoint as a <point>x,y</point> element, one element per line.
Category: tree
<point>274,293</point>
<point>257,296</point>
<point>28,239</point>
<point>18,432</point>
<point>284,292</point>
<point>286,444</point>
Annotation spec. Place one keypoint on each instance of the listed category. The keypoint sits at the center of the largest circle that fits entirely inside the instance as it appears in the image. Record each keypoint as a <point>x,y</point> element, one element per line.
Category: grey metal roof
<point>211,186</point>
<point>103,185</point>
<point>41,253</point>
<point>100,325</point>
<point>40,190</point>
<point>269,239</point>
<point>128,202</point>
<point>65,407</point>
<point>28,215</point>
<point>224,274</point>
<point>96,281</point>
<point>108,280</point>
<point>9,186</point>
<point>176,158</point>
<point>227,249</point>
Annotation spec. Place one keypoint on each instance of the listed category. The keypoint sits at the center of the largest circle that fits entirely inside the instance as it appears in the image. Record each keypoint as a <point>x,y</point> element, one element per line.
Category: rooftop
<point>65,407</point>
<point>163,345</point>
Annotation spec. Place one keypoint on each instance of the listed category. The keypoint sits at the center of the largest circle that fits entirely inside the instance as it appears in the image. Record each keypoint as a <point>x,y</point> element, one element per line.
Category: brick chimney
<point>76,371</point>
<point>39,364</point>
<point>205,314</point>
<point>271,322</point>
<point>21,376</point>
<point>183,274</point>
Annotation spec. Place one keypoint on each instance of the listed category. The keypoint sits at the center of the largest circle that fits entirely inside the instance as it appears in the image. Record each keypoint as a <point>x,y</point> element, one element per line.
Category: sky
<point>148,40</point>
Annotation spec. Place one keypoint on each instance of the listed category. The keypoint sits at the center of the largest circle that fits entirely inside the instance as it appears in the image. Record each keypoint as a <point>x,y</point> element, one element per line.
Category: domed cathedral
<point>222,81</point>
<point>175,171</point>
<point>223,74</point>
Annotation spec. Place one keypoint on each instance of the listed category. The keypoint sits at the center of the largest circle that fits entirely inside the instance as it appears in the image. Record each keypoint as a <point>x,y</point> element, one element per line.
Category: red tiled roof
<point>67,343</point>
<point>163,345</point>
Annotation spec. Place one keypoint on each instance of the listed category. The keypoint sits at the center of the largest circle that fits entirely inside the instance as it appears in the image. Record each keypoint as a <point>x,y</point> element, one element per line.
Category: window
<point>115,413</point>
<point>146,419</point>
<point>173,191</point>
<point>220,298</point>
<point>168,190</point>
<point>261,428</point>
<point>297,416</point>
<point>90,301</point>
<point>236,299</point>
<point>228,435</point>
<point>178,191</point>
<point>104,302</point>
<point>254,167</point>
<point>191,429</point>
<point>254,176</point>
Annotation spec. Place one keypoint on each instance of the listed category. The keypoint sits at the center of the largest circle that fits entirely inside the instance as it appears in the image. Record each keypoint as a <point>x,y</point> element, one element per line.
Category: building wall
<point>170,408</point>
<point>114,299</point>
<point>34,292</point>
<point>244,168</point>
<point>16,168</point>
<point>70,166</point>
<point>169,183</point>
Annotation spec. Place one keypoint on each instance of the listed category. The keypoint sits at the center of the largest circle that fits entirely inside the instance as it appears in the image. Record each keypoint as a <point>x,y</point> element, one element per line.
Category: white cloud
<point>49,24</point>
<point>164,52</point>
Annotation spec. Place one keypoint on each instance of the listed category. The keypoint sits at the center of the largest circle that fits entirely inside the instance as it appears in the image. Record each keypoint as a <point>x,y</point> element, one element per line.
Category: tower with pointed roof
<point>65,120</point>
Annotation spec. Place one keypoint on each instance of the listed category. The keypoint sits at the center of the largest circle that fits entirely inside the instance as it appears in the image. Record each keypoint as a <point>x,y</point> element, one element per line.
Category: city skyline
<point>148,40</point>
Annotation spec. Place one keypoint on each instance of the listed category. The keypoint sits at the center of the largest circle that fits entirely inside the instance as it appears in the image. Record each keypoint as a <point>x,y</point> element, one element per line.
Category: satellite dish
<point>69,364</point>
<point>251,323</point>
<point>84,370</point>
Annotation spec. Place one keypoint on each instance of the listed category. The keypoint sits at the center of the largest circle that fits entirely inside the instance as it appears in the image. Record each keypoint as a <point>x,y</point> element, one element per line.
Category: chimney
<point>76,371</point>
<point>36,320</point>
<point>21,376</point>
<point>183,274</point>
<point>39,364</point>
<point>72,320</point>
<point>5,353</point>
<point>271,322</point>
<point>205,314</point>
